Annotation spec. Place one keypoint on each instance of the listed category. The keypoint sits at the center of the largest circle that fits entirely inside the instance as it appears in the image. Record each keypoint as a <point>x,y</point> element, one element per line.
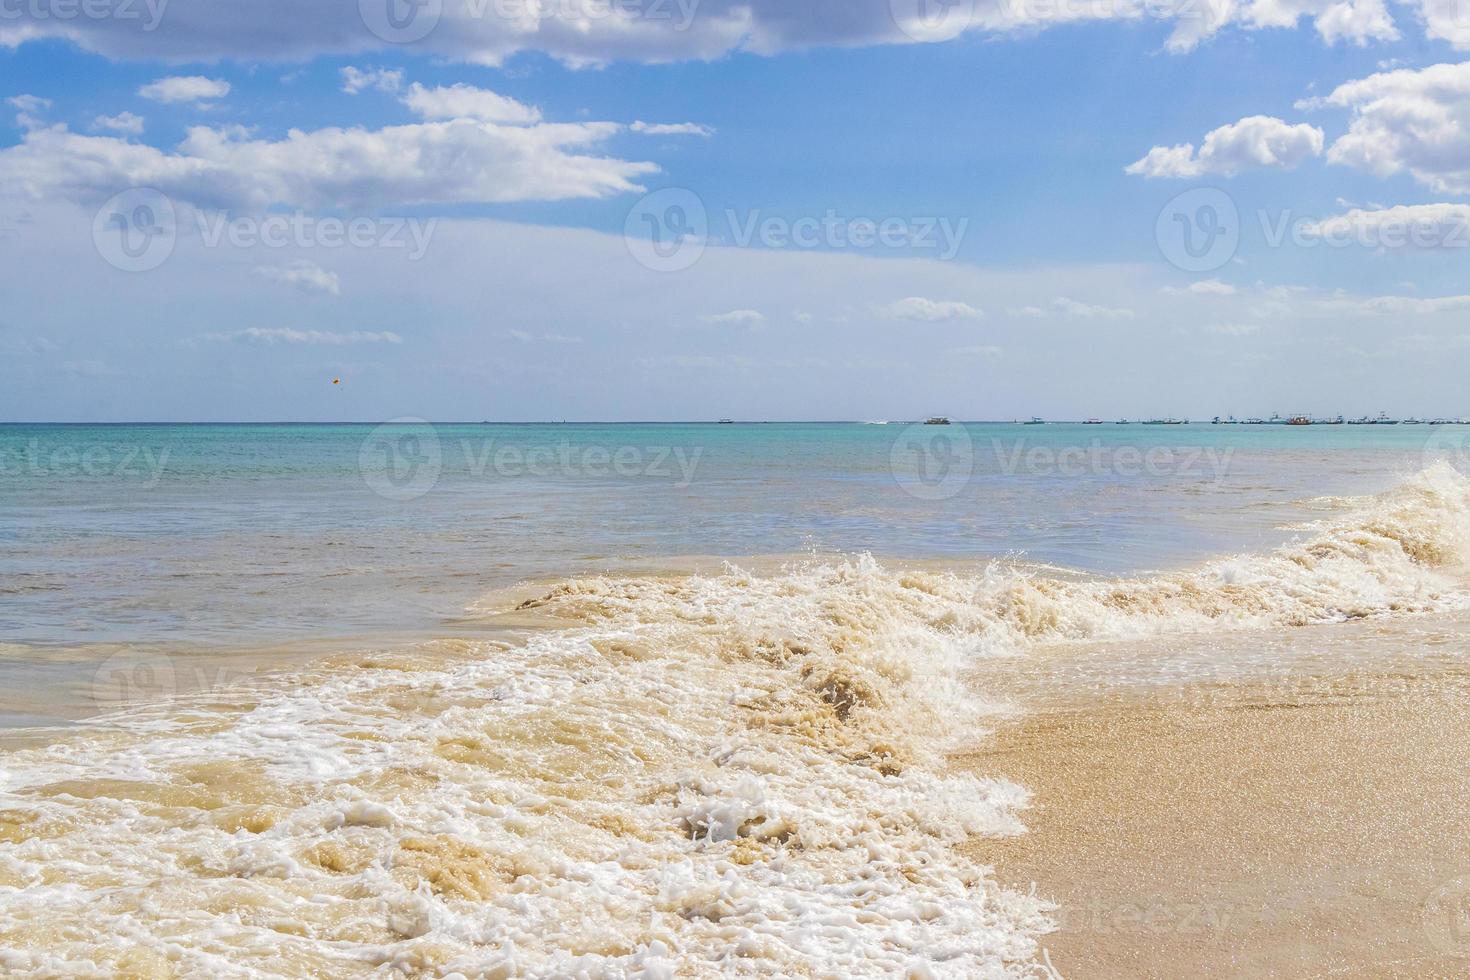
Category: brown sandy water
<point>1311,824</point>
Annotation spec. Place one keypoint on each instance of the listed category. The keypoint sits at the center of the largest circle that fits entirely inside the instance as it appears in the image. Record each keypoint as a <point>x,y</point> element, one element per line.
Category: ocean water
<point>617,701</point>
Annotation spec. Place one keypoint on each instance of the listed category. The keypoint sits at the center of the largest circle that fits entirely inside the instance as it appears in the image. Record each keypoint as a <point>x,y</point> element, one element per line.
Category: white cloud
<point>1415,121</point>
<point>461,101</point>
<point>286,335</point>
<point>29,107</point>
<point>1234,329</point>
<point>459,161</point>
<point>977,350</point>
<point>671,129</point>
<point>525,337</point>
<point>1445,20</point>
<point>1063,306</point>
<point>931,311</point>
<point>1203,287</point>
<point>123,122</point>
<point>355,80</point>
<point>1090,311</point>
<point>304,274</point>
<point>1405,225</point>
<point>185,88</point>
<point>1255,141</point>
<point>737,318</point>
<point>29,103</point>
<point>1413,305</point>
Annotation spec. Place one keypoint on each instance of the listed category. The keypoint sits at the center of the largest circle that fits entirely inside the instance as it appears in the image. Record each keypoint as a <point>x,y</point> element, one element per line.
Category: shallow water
<point>639,772</point>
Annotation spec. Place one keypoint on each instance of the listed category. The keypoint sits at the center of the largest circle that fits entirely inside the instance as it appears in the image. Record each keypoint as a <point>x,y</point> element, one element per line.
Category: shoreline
<point>1259,834</point>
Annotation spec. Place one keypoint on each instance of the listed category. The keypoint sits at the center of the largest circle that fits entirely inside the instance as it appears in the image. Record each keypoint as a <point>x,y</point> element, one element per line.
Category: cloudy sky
<point>690,209</point>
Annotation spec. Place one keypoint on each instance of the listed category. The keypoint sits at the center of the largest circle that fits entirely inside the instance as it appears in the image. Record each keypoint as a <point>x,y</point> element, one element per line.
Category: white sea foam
<point>730,774</point>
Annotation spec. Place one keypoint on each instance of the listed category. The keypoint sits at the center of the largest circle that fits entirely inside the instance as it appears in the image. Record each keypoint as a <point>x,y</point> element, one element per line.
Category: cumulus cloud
<point>185,88</point>
<point>930,310</point>
<point>123,122</point>
<point>1414,121</point>
<point>1203,287</point>
<point>450,162</point>
<point>1412,305</point>
<point>28,107</point>
<point>736,318</point>
<point>671,129</point>
<point>461,101</point>
<point>1405,225</point>
<point>355,80</point>
<point>303,274</point>
<point>1063,306</point>
<point>1253,142</point>
<point>286,335</point>
<point>587,32</point>
<point>29,103</point>
<point>1444,20</point>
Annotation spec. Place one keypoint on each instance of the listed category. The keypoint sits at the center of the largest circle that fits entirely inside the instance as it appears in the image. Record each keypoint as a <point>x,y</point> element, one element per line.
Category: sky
<point>531,210</point>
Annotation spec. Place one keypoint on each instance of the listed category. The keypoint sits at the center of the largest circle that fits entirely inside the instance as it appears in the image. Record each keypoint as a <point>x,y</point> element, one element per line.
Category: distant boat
<point>1168,421</point>
<point>1383,419</point>
<point>1036,420</point>
<point>1232,420</point>
<point>1093,422</point>
<point>1413,421</point>
<point>1122,422</point>
<point>727,421</point>
<point>937,420</point>
<point>1337,421</point>
<point>1298,420</point>
<point>1365,420</point>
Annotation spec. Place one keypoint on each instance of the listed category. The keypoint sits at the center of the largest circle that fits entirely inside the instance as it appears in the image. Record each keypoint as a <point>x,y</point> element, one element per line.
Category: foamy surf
<point>729,774</point>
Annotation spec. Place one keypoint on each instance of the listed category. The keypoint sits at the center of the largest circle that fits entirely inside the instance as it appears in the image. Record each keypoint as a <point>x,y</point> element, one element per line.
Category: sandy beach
<point>1248,831</point>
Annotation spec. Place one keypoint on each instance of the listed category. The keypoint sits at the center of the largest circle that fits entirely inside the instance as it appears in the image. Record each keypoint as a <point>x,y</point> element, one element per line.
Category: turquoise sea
<point>254,533</point>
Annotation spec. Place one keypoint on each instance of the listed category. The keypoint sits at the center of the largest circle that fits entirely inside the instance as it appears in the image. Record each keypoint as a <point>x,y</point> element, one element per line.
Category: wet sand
<point>1248,831</point>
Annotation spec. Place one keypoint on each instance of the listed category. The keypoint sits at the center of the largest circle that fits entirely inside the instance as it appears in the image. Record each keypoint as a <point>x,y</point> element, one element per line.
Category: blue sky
<point>1022,174</point>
